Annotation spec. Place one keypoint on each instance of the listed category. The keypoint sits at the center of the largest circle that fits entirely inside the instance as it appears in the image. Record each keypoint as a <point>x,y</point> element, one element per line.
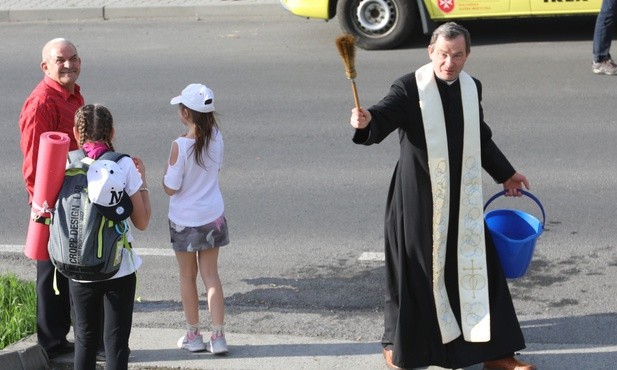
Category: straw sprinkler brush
<point>346,45</point>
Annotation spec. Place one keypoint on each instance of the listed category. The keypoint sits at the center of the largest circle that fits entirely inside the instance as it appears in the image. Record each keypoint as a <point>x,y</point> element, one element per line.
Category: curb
<point>155,348</point>
<point>24,355</point>
<point>127,12</point>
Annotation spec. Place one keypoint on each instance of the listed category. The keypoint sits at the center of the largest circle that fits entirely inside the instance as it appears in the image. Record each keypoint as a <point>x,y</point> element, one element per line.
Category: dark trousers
<point>113,300</point>
<point>53,312</point>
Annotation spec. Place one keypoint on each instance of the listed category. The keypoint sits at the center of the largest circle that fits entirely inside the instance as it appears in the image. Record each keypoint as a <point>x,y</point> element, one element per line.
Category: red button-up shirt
<point>50,107</point>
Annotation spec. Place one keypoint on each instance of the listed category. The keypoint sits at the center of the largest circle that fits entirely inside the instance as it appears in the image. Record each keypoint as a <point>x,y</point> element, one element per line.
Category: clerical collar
<point>448,82</point>
<point>444,82</point>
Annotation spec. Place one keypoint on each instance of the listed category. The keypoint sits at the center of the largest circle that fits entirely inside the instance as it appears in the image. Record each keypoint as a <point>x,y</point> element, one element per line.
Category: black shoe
<point>101,356</point>
<point>61,349</point>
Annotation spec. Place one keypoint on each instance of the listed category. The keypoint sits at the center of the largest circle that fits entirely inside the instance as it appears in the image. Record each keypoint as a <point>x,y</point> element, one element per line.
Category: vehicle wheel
<point>378,24</point>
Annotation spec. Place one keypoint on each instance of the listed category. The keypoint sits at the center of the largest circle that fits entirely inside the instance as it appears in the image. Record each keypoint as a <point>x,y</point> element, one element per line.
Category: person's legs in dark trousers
<point>100,354</point>
<point>604,29</point>
<point>88,306</point>
<point>53,312</point>
<point>118,306</point>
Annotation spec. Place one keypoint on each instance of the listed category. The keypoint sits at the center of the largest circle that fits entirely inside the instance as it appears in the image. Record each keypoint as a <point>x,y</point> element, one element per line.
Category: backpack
<point>83,243</point>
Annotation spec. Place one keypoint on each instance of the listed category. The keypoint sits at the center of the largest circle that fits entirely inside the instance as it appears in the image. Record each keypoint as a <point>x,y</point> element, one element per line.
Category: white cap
<point>106,182</point>
<point>197,97</point>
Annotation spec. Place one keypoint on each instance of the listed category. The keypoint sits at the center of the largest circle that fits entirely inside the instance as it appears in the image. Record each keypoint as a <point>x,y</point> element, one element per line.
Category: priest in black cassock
<point>447,302</point>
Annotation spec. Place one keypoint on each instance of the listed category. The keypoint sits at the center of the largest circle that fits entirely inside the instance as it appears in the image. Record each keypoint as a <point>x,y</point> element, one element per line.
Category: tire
<point>378,24</point>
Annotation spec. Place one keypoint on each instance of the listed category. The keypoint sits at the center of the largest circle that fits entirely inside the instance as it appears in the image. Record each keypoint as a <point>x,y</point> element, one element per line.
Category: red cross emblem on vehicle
<point>446,6</point>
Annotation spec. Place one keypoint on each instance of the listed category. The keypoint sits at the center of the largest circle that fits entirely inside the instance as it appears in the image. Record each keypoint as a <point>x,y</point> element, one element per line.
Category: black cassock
<point>411,327</point>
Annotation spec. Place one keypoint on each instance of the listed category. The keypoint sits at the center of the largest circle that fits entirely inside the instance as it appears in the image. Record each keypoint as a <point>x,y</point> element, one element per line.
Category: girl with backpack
<point>197,224</point>
<point>112,298</point>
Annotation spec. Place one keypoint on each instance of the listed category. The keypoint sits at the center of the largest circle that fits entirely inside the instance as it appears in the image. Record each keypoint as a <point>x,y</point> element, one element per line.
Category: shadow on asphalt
<point>317,288</point>
<point>268,351</point>
<point>570,332</point>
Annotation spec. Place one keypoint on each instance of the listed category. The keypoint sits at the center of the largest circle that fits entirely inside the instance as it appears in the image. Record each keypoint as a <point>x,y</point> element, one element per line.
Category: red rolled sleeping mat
<point>51,163</point>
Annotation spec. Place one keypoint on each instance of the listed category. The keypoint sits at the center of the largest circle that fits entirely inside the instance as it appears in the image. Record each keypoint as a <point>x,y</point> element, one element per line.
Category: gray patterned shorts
<point>193,239</point>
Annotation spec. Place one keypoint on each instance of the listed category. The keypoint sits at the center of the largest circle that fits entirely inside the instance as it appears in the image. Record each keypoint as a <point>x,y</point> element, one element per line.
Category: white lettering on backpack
<point>73,234</point>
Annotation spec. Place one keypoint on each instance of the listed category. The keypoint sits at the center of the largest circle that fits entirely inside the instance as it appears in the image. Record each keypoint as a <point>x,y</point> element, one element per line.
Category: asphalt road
<point>303,202</point>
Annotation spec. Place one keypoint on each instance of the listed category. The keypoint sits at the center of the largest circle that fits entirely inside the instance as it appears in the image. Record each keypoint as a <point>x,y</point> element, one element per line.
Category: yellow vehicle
<point>384,24</point>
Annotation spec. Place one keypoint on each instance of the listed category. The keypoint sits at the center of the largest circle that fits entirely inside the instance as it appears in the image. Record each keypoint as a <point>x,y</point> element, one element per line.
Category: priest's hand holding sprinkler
<point>346,46</point>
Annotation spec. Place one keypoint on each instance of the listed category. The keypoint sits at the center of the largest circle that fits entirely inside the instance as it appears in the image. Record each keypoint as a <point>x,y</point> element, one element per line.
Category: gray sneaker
<point>192,342</point>
<point>217,345</point>
<point>606,67</point>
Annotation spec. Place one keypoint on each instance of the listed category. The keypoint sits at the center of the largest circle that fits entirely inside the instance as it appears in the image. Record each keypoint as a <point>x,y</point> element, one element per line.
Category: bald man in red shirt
<point>51,107</point>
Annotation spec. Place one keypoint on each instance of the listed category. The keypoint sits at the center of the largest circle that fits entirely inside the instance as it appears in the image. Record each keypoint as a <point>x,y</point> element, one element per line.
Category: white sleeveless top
<point>198,199</point>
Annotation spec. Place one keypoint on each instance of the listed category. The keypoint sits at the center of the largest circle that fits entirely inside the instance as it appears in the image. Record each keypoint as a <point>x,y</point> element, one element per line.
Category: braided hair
<point>94,122</point>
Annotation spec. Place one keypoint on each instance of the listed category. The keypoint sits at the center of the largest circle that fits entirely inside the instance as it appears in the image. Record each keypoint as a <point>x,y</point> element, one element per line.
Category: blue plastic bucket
<point>514,234</point>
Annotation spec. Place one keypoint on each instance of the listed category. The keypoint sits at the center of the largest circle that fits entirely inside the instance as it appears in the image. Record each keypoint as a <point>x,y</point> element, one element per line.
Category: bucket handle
<point>533,197</point>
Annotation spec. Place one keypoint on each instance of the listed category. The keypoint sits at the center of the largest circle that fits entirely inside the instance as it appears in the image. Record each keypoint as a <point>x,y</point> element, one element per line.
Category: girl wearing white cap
<point>197,223</point>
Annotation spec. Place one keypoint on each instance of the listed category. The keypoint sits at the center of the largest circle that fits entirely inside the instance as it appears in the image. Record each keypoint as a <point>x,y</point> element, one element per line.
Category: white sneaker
<point>606,67</point>
<point>194,345</point>
<point>217,345</point>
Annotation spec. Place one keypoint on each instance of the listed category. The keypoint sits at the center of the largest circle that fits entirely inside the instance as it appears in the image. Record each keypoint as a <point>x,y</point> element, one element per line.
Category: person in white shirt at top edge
<point>197,223</point>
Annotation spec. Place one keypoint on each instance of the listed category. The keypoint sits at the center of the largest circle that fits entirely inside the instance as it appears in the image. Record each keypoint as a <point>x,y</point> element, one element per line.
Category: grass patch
<point>17,309</point>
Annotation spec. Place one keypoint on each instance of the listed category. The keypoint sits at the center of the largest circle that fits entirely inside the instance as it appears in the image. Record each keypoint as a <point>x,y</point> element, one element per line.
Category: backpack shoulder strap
<point>76,155</point>
<point>112,156</point>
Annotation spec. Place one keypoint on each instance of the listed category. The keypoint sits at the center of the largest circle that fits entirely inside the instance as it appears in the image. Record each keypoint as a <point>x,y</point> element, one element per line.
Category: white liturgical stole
<point>471,250</point>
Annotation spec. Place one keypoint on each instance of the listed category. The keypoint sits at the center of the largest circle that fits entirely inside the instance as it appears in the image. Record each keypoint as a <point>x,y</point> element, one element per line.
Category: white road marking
<point>606,349</point>
<point>4,248</point>
<point>7,248</point>
<point>372,256</point>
